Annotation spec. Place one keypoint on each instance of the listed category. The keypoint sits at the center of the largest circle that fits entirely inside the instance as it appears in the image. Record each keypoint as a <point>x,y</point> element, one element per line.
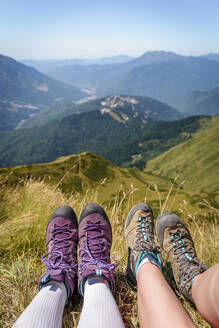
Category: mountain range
<point>166,80</point>
<point>180,81</point>
<point>94,75</point>
<point>158,74</point>
<point>47,66</point>
<point>24,91</point>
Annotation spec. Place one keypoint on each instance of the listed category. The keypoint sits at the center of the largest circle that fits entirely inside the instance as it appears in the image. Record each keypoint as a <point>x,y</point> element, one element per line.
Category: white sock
<point>99,308</point>
<point>46,309</point>
<point>147,259</point>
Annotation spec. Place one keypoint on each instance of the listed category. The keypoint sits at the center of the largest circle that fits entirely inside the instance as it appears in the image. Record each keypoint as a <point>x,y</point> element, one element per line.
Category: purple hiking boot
<point>61,242</point>
<point>95,240</point>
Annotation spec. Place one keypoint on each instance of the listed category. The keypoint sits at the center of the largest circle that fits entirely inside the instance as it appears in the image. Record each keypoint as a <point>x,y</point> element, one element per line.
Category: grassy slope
<point>22,242</point>
<point>77,173</point>
<point>26,203</point>
<point>196,160</point>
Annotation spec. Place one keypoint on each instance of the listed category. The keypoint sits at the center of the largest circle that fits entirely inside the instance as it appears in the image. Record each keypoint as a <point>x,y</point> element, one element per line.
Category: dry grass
<point>24,214</point>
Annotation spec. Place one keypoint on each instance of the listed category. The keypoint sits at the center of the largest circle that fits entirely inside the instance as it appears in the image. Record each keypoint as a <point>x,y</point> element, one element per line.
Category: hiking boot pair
<point>173,236</point>
<point>93,233</point>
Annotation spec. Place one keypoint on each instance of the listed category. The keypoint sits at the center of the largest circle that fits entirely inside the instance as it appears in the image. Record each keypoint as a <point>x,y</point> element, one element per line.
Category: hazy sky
<point>43,29</point>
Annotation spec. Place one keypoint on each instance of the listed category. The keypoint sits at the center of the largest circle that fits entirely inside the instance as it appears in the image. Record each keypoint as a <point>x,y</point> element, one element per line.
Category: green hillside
<point>199,103</point>
<point>196,161</point>
<point>87,171</point>
<point>78,173</point>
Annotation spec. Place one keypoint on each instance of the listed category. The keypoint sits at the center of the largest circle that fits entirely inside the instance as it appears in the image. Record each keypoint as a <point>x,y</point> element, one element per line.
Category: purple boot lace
<point>94,250</point>
<point>60,259</point>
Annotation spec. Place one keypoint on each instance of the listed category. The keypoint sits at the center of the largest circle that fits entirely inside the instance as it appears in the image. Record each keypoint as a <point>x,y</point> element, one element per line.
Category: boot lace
<point>189,266</point>
<point>94,251</point>
<point>144,236</point>
<point>59,257</point>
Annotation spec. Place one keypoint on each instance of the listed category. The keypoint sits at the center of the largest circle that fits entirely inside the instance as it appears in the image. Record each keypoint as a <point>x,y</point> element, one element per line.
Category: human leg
<point>46,309</point>
<point>99,308</point>
<point>58,282</point>
<point>95,274</point>
<point>205,294</point>
<point>158,306</point>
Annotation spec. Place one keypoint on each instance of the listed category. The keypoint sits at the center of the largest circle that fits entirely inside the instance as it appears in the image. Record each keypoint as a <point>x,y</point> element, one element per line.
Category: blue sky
<point>44,29</point>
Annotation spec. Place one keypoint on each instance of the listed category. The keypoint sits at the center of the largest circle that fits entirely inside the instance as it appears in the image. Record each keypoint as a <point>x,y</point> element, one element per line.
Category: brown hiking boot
<point>176,240</point>
<point>139,226</point>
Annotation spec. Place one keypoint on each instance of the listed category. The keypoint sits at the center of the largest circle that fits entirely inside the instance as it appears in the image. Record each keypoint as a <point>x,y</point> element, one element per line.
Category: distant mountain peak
<point>159,52</point>
<point>156,57</point>
<point>160,56</point>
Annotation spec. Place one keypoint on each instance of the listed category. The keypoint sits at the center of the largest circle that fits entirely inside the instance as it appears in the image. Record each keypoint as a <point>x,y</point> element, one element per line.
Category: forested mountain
<point>24,91</point>
<point>128,143</point>
<point>11,115</point>
<point>24,84</point>
<point>199,103</point>
<point>119,107</point>
<point>163,81</point>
